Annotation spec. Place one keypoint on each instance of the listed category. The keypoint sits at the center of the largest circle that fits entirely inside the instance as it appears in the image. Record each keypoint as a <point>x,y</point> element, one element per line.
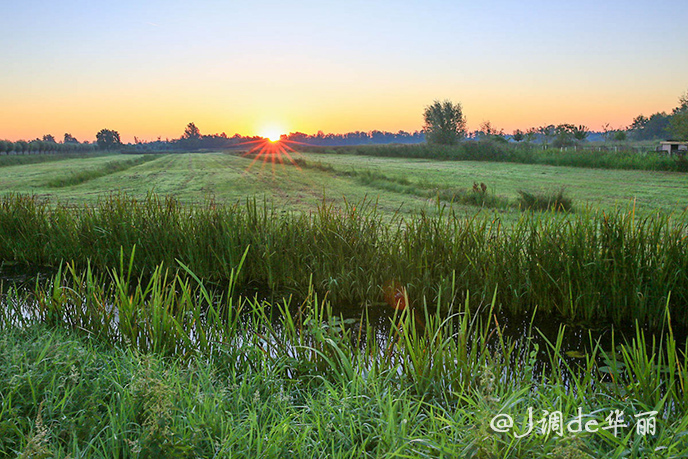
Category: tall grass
<point>545,200</point>
<point>524,154</point>
<point>585,267</point>
<point>246,382</point>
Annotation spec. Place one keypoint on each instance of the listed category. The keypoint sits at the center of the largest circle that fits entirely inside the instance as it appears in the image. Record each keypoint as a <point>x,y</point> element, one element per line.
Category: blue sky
<point>148,68</point>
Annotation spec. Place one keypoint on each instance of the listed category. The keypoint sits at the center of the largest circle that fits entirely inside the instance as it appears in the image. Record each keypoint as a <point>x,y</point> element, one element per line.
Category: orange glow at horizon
<point>27,122</point>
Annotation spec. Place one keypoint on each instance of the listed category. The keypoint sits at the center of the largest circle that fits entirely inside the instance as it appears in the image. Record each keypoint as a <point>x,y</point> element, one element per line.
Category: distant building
<point>673,148</point>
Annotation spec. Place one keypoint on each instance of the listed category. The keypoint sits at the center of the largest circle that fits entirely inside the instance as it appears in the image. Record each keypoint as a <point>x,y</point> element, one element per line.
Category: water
<point>527,333</point>
<point>22,275</point>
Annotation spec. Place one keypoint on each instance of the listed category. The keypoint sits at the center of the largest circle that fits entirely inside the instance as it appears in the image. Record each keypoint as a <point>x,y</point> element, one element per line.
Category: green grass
<point>478,195</point>
<point>26,159</point>
<point>586,267</point>
<point>78,177</point>
<point>645,191</point>
<point>401,185</point>
<point>179,372</point>
<point>556,200</point>
<point>147,339</point>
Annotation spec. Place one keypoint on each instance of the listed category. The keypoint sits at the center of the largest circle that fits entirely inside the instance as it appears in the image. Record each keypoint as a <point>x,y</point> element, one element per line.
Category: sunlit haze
<point>272,133</point>
<point>267,68</point>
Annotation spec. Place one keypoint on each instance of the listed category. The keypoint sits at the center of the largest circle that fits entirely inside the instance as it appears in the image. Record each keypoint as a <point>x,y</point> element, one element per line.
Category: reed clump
<point>98,365</point>
<point>555,200</point>
<point>584,267</point>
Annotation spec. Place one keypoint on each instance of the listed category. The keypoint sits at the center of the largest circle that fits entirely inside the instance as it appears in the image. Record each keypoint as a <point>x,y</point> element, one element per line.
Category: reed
<point>588,267</point>
<point>163,367</point>
<point>555,200</point>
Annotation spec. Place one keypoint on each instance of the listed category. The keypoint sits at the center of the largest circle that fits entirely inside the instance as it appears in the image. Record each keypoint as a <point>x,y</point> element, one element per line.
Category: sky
<point>148,68</point>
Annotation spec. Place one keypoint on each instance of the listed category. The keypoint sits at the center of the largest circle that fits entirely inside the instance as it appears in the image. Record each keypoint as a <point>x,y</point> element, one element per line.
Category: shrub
<point>545,200</point>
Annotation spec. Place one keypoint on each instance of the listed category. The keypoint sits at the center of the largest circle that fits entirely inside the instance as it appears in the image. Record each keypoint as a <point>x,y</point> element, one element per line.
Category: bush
<point>545,200</point>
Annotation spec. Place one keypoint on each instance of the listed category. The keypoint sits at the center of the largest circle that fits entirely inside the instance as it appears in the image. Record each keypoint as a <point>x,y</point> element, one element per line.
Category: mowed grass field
<point>231,177</point>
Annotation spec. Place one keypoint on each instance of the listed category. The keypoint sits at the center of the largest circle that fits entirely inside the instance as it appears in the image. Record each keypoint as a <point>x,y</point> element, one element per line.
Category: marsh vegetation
<point>190,326</point>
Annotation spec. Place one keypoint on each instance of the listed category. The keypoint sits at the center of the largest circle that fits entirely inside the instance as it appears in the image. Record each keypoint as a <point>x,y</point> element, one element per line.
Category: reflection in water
<point>373,330</point>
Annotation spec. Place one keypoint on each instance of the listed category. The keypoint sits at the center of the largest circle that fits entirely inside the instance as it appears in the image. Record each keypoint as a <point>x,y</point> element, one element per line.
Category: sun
<point>272,133</point>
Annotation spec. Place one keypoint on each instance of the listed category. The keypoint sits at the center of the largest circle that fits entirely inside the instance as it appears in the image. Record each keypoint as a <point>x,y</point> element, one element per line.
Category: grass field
<point>137,344</point>
<point>193,178</point>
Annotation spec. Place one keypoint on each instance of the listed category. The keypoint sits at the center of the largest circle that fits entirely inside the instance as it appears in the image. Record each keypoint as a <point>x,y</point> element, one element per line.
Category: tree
<point>564,135</point>
<point>191,132</point>
<point>607,128</point>
<point>489,132</point>
<point>580,133</point>
<point>48,138</point>
<point>654,127</point>
<point>547,132</point>
<point>108,139</point>
<point>682,104</point>
<point>518,135</point>
<point>678,126</point>
<point>444,123</point>
<point>69,138</point>
<point>21,146</point>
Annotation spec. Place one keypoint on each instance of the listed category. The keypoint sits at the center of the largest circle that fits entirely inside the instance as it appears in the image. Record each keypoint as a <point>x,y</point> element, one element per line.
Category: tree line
<point>673,126</point>
<point>193,139</point>
<point>445,124</point>
<point>106,139</point>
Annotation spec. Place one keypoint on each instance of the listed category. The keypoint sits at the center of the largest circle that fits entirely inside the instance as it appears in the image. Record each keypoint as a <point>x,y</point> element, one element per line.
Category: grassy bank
<point>164,368</point>
<point>27,159</point>
<point>524,154</point>
<point>586,267</point>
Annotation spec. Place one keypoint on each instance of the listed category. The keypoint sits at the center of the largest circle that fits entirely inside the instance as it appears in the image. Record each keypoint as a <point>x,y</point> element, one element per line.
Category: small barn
<point>673,148</point>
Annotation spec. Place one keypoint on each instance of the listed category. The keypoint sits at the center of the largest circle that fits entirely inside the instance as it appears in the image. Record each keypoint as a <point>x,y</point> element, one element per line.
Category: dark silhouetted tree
<point>682,104</point>
<point>580,133</point>
<point>191,132</point>
<point>69,138</point>
<point>654,127</point>
<point>108,139</point>
<point>444,123</point>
